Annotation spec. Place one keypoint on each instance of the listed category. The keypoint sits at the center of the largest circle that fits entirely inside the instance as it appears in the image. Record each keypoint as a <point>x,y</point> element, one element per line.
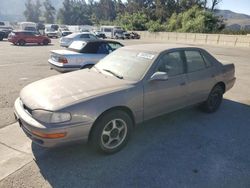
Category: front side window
<point>194,60</point>
<point>104,49</point>
<point>171,63</point>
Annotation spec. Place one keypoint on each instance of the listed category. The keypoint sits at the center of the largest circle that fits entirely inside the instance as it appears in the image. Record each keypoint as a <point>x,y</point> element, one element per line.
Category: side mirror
<point>160,76</point>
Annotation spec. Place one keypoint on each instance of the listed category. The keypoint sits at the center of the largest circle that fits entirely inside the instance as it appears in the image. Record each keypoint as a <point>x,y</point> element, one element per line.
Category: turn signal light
<point>50,136</point>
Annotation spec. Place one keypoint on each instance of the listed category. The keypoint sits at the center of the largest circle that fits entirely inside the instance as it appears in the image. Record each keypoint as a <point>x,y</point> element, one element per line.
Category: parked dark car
<point>126,35</point>
<point>134,35</point>
<point>2,34</point>
<point>23,37</point>
<point>65,33</point>
<point>100,35</point>
<point>6,30</point>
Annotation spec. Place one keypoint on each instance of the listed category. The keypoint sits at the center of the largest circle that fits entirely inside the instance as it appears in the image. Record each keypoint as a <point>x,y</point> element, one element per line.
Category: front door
<point>164,96</point>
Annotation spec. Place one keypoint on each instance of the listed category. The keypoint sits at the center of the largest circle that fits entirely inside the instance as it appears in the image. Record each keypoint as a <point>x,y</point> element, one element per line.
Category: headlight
<point>51,117</point>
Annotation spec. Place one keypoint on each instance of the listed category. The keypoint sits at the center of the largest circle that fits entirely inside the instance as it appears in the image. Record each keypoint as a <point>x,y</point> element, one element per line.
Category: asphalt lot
<point>186,148</point>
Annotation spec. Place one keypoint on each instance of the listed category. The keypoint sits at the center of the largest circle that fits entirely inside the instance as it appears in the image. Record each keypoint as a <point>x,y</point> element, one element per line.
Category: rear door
<point>164,96</point>
<point>200,76</point>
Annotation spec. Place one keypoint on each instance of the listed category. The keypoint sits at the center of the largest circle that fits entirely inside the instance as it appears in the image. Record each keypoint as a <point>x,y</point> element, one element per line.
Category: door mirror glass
<point>160,76</point>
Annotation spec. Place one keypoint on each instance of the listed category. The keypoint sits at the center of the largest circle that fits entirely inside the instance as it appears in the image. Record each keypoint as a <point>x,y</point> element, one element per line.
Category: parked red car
<point>23,37</point>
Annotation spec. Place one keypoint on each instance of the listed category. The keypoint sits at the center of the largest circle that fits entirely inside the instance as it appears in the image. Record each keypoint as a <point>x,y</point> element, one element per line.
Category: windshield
<point>129,65</point>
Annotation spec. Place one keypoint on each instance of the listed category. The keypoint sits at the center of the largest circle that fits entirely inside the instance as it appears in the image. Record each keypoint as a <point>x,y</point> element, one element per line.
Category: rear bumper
<point>230,84</point>
<point>61,67</point>
<point>74,133</point>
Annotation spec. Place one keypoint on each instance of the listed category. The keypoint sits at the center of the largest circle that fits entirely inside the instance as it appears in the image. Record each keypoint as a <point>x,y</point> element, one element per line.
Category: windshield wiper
<point>113,73</point>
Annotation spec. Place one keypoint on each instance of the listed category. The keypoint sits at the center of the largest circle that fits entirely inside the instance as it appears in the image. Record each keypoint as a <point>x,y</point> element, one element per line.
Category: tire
<point>214,100</point>
<point>21,42</point>
<point>1,38</point>
<point>111,132</point>
<point>45,42</point>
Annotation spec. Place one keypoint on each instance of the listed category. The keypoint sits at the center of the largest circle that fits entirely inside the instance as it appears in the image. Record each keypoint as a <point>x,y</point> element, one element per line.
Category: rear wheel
<point>21,42</point>
<point>1,38</point>
<point>214,100</point>
<point>112,131</point>
<point>45,42</point>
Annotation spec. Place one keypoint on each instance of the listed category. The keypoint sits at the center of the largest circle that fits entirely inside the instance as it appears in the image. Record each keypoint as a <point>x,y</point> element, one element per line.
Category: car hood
<point>57,92</point>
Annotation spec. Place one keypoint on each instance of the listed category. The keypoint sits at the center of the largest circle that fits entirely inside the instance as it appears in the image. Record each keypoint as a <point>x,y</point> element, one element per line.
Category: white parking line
<point>12,64</point>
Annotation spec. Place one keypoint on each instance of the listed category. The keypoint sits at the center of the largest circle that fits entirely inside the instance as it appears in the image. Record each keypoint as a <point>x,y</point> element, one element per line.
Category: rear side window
<point>208,59</point>
<point>195,61</point>
<point>84,36</point>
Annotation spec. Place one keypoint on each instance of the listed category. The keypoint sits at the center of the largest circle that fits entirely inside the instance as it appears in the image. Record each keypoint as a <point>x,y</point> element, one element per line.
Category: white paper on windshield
<point>146,55</point>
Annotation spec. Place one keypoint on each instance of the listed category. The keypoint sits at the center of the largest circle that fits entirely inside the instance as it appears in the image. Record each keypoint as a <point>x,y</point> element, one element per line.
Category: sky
<point>239,6</point>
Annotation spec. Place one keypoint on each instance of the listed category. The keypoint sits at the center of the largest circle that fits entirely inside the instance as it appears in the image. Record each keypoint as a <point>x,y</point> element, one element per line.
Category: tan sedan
<point>133,84</point>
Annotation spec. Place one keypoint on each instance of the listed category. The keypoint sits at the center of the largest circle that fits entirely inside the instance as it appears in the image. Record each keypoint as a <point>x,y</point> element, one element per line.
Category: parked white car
<point>66,41</point>
<point>51,33</point>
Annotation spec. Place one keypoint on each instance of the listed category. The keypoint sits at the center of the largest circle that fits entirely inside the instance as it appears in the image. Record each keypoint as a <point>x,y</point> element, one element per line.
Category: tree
<point>74,13</point>
<point>50,11</point>
<point>195,20</point>
<point>32,11</point>
<point>136,21</point>
<point>215,3</point>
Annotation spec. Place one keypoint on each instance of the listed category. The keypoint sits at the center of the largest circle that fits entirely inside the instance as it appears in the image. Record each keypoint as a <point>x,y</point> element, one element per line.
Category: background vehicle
<point>81,54</point>
<point>6,30</point>
<point>23,37</point>
<point>134,35</point>
<point>109,31</point>
<point>66,41</point>
<point>2,34</point>
<point>119,34</point>
<point>51,33</point>
<point>100,35</point>
<point>65,33</point>
<point>28,26</point>
<point>126,35</point>
<point>131,85</point>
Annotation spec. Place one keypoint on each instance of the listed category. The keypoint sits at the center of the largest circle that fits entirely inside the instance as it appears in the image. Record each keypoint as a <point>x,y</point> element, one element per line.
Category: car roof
<point>158,48</point>
<point>100,40</point>
<point>23,31</point>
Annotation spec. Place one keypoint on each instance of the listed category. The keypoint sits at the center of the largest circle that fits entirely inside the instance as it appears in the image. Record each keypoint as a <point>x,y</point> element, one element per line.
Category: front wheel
<point>214,100</point>
<point>21,42</point>
<point>45,42</point>
<point>112,131</point>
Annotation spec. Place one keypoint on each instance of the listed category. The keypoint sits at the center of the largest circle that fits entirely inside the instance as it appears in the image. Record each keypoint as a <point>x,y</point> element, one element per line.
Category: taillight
<point>62,60</point>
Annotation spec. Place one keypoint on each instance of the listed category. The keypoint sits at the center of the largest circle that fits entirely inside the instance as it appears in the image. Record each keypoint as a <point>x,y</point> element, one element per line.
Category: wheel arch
<point>221,84</point>
<point>121,108</point>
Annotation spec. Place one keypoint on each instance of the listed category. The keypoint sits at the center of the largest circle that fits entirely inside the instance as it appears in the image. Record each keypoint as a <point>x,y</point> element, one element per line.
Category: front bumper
<point>74,133</point>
